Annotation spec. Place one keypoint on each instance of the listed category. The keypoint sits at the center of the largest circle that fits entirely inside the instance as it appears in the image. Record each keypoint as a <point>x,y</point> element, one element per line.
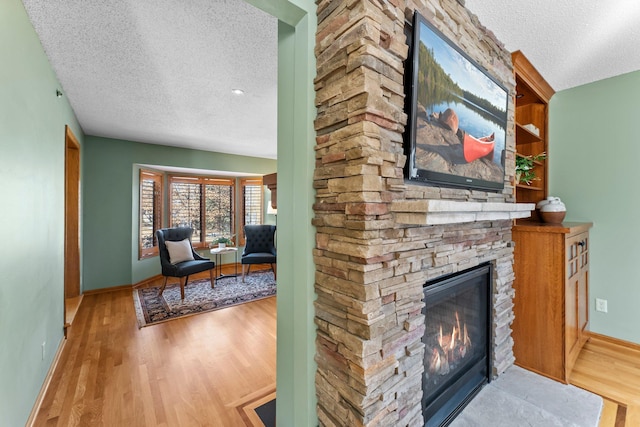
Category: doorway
<point>72,295</point>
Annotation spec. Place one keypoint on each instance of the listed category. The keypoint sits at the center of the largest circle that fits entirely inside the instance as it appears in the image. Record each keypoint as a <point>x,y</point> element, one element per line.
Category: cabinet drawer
<point>577,254</point>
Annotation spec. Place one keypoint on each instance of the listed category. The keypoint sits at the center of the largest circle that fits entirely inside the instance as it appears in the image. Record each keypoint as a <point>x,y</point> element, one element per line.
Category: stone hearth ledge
<point>438,212</point>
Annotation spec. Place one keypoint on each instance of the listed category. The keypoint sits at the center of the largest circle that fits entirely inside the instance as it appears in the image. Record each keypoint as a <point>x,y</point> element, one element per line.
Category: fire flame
<point>451,348</point>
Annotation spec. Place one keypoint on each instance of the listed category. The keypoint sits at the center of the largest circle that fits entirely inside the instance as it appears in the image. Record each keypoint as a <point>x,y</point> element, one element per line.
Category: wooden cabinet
<point>532,98</point>
<point>551,303</point>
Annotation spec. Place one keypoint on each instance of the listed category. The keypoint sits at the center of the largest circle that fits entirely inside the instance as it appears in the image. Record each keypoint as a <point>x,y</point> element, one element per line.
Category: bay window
<point>150,212</point>
<point>205,204</point>
<point>252,205</point>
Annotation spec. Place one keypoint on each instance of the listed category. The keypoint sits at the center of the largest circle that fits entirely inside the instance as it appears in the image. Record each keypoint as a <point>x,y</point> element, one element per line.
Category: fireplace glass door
<point>456,361</point>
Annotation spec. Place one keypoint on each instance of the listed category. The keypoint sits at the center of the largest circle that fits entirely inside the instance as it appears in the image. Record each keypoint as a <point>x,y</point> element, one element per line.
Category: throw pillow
<point>179,251</point>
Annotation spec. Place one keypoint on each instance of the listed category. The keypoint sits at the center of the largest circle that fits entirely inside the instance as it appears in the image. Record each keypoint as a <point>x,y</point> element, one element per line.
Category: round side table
<point>218,252</point>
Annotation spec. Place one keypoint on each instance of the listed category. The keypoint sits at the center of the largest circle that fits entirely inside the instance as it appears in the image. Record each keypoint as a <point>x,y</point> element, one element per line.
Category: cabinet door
<point>583,286</point>
<point>571,295</point>
<point>576,298</point>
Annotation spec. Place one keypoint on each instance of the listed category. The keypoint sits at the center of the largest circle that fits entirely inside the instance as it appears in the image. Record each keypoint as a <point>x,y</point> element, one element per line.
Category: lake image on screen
<point>458,104</point>
<point>473,123</point>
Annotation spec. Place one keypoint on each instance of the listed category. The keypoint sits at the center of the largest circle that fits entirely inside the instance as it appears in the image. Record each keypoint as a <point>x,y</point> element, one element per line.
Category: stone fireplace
<point>379,239</point>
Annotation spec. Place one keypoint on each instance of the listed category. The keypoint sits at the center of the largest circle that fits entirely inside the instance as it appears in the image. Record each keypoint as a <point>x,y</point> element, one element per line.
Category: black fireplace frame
<point>445,407</point>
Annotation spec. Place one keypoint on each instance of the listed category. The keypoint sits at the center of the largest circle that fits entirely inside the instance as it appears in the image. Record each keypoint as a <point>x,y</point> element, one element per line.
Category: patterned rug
<point>199,297</point>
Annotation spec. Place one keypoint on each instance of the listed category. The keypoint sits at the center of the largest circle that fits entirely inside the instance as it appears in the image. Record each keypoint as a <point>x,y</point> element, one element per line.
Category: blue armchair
<point>259,247</point>
<point>186,260</point>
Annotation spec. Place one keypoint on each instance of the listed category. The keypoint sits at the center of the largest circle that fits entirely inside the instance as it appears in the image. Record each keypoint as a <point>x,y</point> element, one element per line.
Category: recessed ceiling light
<point>237,91</point>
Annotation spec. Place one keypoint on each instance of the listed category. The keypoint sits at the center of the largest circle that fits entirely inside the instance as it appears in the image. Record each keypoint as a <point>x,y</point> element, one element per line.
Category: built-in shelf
<point>532,98</point>
<point>529,187</point>
<point>525,136</point>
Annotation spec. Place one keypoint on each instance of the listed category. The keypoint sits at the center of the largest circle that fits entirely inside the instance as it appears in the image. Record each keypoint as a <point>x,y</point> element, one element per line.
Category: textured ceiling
<point>570,42</point>
<point>162,71</point>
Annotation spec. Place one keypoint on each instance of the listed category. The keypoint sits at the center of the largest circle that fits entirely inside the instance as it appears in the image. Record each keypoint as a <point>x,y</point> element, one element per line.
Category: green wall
<point>32,141</point>
<point>110,203</point>
<point>593,152</point>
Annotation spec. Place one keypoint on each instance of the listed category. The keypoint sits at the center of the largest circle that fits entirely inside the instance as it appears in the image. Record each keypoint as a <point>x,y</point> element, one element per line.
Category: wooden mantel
<point>271,181</point>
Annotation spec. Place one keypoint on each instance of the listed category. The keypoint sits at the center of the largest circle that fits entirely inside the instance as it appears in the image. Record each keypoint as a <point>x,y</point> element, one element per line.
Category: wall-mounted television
<point>457,126</point>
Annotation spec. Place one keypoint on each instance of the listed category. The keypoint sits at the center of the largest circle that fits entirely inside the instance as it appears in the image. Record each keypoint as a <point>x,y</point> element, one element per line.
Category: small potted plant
<point>223,241</point>
<point>524,168</point>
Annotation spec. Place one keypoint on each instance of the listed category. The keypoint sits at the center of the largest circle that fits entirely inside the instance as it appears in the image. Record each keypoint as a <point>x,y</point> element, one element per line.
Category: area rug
<point>199,297</point>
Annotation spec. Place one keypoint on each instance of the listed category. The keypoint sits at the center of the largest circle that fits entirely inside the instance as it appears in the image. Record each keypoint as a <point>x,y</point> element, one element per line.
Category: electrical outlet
<point>44,345</point>
<point>601,305</point>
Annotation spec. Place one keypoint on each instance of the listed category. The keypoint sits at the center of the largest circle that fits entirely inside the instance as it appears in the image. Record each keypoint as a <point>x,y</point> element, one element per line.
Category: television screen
<point>458,115</point>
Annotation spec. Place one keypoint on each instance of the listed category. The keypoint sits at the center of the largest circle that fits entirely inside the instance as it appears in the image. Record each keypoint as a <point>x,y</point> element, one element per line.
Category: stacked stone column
<point>370,269</point>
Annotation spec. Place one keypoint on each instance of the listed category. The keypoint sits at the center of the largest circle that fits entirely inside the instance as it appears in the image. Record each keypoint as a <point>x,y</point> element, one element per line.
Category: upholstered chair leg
<point>212,274</point>
<point>248,270</point>
<point>183,283</point>
<point>273,268</point>
<point>164,285</point>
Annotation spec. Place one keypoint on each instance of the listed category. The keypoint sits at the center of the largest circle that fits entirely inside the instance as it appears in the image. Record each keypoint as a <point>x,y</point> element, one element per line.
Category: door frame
<point>71,216</point>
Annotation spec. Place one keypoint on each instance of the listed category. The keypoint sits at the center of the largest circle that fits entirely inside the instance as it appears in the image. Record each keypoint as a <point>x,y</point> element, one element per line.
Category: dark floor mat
<point>267,413</point>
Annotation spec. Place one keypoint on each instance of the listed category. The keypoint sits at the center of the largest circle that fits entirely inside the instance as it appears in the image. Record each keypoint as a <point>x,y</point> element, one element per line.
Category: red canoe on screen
<point>475,148</point>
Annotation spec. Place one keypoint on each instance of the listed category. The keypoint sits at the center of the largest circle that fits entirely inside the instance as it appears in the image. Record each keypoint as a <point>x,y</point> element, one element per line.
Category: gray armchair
<point>259,247</point>
<point>181,269</point>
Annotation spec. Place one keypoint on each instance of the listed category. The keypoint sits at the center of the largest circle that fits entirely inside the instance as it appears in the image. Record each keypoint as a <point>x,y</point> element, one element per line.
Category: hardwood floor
<point>199,370</point>
<point>611,369</point>
<point>214,368</point>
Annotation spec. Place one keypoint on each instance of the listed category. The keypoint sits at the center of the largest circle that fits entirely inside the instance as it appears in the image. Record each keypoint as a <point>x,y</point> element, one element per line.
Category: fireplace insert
<point>457,342</point>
